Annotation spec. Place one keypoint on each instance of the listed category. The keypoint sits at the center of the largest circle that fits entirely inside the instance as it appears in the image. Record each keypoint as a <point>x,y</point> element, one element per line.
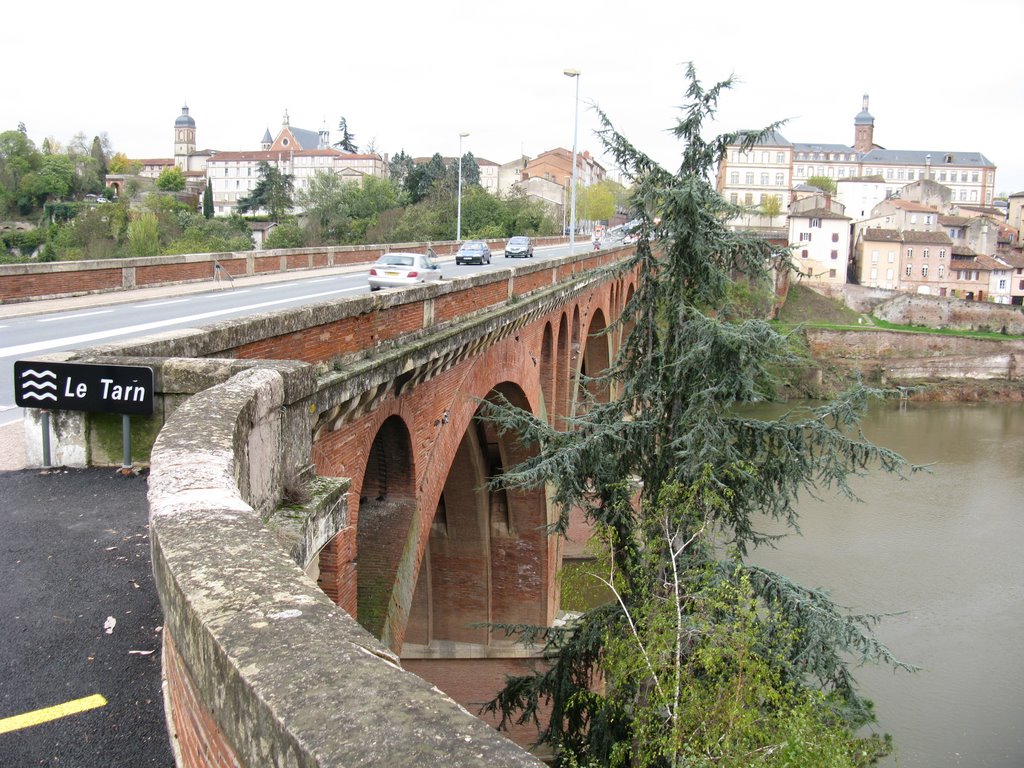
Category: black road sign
<point>126,389</point>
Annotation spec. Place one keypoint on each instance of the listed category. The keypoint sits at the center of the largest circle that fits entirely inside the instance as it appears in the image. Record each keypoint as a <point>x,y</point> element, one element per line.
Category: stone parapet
<point>262,668</point>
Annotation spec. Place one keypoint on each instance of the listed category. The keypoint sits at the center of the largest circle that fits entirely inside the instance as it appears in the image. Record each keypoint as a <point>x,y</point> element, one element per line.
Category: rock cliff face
<point>937,367</point>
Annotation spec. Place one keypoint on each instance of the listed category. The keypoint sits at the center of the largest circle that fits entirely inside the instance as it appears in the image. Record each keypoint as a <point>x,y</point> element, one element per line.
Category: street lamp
<point>574,73</point>
<point>458,219</point>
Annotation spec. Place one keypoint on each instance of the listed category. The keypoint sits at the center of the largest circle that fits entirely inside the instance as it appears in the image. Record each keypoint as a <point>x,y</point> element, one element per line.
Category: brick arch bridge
<point>373,403</point>
<point>431,556</point>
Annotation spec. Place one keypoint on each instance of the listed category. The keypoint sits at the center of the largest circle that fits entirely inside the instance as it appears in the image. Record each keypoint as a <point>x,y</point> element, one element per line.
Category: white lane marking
<point>74,317</point>
<point>165,303</point>
<point>40,346</point>
<point>217,294</point>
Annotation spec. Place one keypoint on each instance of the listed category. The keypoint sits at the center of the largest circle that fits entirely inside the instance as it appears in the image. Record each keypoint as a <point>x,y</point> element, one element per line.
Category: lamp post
<point>458,218</point>
<point>574,73</point>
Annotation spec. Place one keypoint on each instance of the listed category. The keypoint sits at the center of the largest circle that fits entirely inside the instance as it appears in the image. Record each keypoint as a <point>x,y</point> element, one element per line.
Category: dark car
<point>519,246</point>
<point>473,251</point>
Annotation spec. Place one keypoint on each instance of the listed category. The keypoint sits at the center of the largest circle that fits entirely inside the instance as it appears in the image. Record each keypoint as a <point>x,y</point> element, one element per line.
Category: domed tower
<point>864,129</point>
<point>184,138</point>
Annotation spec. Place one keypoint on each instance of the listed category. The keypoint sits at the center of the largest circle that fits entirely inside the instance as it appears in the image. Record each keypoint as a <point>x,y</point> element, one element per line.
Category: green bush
<point>285,235</point>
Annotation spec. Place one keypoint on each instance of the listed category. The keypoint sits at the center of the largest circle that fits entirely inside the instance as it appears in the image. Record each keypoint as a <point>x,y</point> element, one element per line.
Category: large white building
<point>774,165</point>
<point>297,152</point>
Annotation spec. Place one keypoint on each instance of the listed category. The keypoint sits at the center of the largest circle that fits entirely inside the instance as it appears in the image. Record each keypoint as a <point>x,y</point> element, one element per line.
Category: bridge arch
<point>487,559</point>
<point>387,503</point>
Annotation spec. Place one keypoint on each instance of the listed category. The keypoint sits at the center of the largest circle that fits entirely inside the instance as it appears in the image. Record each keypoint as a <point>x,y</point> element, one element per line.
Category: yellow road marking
<point>27,720</point>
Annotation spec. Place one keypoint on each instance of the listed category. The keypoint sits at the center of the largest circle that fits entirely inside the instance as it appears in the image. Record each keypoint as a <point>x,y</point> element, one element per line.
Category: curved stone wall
<point>262,668</point>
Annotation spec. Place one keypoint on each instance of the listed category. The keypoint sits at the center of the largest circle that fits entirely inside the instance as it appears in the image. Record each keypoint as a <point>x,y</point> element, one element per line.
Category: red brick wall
<point>158,274</point>
<point>472,682</point>
<point>18,287</point>
<point>199,738</point>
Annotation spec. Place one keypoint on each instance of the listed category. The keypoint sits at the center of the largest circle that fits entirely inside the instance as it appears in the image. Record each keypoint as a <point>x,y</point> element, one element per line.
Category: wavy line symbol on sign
<point>28,376</point>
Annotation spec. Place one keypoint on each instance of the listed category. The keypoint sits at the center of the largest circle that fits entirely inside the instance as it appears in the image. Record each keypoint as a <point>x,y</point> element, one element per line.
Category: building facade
<point>820,235</point>
<point>774,165</point>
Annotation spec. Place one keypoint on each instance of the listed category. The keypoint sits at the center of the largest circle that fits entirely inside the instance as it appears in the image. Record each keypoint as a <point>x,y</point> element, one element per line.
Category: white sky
<point>941,76</point>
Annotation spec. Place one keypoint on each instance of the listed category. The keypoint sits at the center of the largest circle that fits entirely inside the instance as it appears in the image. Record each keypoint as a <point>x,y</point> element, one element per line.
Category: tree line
<point>68,213</point>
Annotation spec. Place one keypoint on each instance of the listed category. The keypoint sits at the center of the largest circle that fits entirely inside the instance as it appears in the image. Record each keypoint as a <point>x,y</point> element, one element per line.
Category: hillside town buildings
<point>302,153</point>
<point>905,220</point>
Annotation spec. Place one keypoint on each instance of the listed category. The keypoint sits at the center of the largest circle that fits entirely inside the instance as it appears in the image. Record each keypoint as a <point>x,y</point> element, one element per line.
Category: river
<point>943,550</point>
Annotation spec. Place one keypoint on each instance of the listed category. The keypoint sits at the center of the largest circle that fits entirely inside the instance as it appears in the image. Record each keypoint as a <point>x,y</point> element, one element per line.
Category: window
<point>963,194</point>
<point>977,275</point>
<point>910,270</point>
<point>974,195</point>
<point>942,176</point>
<point>765,157</point>
<point>924,270</point>
<point>942,253</point>
<point>780,158</point>
<point>764,179</point>
<point>842,172</point>
<point>910,176</point>
<point>832,273</point>
<point>733,198</point>
<point>942,271</point>
<point>892,256</point>
<point>927,218</point>
<point>748,199</point>
<point>779,180</point>
<point>835,254</point>
<point>835,237</point>
<point>963,177</point>
<point>874,257</point>
<point>888,173</point>
<point>974,177</point>
<point>800,170</point>
<point>900,174</point>
<point>750,177</point>
<point>803,253</point>
<point>734,177</point>
<point>910,253</point>
<point>913,218</point>
<point>874,274</point>
<point>816,223</point>
<point>925,252</point>
<point>888,275</point>
<point>805,237</point>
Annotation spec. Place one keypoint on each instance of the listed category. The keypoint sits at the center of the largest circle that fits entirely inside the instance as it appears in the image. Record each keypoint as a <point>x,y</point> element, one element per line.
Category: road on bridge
<point>36,328</point>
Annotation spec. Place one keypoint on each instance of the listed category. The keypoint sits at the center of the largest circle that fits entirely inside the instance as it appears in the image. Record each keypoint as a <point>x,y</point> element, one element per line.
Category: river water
<point>943,550</point>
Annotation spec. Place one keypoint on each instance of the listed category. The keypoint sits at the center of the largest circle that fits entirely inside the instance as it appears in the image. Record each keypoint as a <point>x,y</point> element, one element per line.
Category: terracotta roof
<point>929,238</point>
<point>1012,256</point>
<point>876,235</point>
<point>818,213</point>
<point>268,155</point>
<point>909,205</point>
<point>954,221</point>
<point>987,262</point>
<point>963,252</point>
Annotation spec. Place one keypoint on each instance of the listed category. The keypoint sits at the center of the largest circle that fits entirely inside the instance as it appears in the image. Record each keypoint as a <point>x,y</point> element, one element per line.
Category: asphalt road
<point>80,621</point>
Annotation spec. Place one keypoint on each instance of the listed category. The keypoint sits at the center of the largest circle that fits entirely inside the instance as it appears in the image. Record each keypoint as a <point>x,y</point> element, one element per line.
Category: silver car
<point>396,270</point>
<point>519,246</point>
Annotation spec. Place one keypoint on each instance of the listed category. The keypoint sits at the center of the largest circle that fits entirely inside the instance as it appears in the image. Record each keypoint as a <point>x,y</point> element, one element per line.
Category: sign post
<point>124,389</point>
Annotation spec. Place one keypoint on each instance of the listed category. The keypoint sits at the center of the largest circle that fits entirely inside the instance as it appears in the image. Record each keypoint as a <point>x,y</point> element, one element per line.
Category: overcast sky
<point>941,76</point>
